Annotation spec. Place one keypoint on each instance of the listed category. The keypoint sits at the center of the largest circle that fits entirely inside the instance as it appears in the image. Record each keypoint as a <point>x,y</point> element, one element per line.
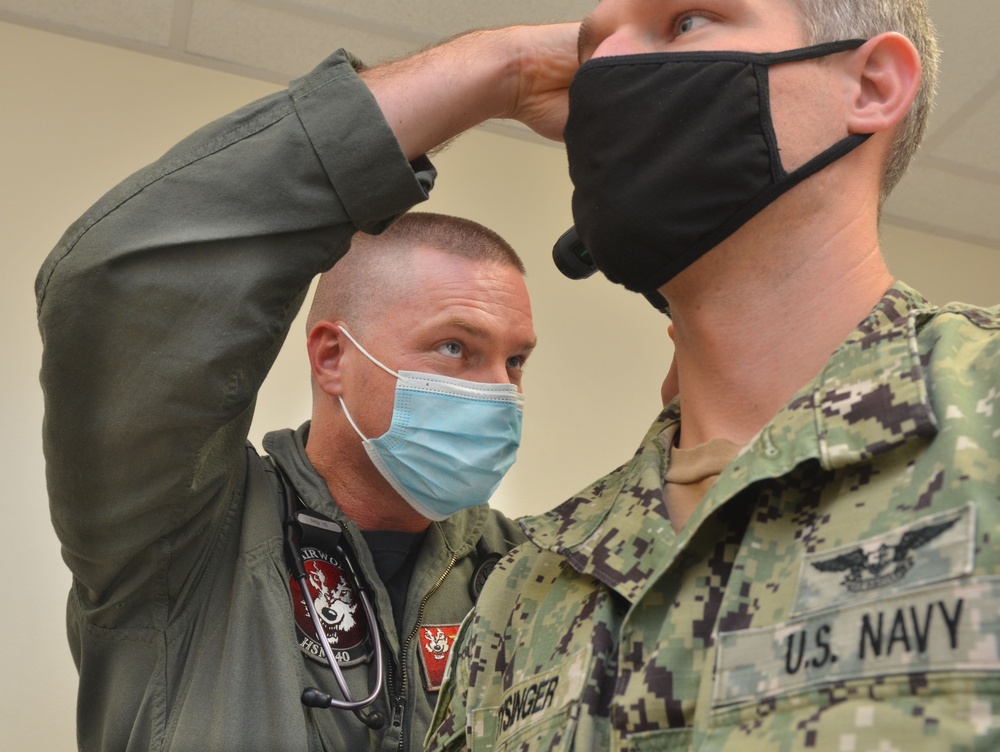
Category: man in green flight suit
<point>801,554</point>
<point>162,310</point>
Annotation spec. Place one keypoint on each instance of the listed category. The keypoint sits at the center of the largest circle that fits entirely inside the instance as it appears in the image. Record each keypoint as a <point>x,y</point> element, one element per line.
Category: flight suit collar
<point>455,537</point>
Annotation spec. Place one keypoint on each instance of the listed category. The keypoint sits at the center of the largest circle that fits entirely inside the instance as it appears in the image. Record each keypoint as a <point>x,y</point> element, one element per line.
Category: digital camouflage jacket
<point>837,589</point>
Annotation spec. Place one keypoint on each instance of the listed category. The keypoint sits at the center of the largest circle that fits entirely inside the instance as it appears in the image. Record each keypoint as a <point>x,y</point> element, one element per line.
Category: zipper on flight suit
<point>397,713</point>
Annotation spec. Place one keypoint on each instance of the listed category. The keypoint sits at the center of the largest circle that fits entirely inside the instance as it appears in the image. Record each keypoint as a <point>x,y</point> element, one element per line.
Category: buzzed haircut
<point>375,268</point>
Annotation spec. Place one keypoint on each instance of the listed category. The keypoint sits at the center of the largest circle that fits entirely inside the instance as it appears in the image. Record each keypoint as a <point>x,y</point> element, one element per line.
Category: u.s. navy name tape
<point>953,626</point>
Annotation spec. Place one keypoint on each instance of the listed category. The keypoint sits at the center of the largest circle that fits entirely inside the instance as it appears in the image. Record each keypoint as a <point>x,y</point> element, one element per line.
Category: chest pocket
<point>553,730</point>
<point>664,740</point>
<point>541,712</point>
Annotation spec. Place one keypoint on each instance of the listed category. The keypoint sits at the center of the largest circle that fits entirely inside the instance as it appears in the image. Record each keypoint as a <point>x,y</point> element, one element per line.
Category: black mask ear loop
<point>309,528</point>
<point>783,181</point>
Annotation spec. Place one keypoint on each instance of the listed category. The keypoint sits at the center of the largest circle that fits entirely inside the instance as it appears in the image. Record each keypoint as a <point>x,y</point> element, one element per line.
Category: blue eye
<point>515,363</point>
<point>689,23</point>
<point>451,349</point>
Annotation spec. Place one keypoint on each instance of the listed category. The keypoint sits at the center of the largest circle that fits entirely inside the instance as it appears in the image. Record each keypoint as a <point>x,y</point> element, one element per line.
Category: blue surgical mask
<point>450,442</point>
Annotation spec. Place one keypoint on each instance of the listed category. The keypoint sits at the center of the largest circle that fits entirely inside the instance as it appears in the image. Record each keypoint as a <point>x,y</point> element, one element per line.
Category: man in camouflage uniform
<point>800,554</point>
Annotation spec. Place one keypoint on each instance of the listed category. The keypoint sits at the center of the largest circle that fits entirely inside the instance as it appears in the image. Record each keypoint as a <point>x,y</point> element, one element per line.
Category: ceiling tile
<point>975,141</point>
<point>274,40</point>
<point>967,63</point>
<point>148,21</point>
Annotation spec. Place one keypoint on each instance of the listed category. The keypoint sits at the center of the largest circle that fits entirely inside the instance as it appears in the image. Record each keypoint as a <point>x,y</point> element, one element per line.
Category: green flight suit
<point>161,311</point>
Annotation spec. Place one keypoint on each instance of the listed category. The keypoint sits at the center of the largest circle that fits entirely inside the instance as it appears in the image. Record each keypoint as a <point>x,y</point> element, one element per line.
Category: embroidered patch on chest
<point>931,549</point>
<point>436,641</point>
<point>339,610</point>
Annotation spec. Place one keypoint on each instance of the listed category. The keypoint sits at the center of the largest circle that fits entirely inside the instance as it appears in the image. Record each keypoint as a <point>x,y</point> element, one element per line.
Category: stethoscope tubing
<point>348,703</point>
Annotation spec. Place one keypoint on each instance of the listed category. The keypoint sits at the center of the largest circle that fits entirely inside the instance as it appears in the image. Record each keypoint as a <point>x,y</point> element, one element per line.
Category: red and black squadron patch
<point>436,641</point>
<point>338,607</point>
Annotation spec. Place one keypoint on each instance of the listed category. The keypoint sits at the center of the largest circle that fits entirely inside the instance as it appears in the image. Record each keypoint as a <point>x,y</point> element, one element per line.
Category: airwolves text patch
<point>339,609</point>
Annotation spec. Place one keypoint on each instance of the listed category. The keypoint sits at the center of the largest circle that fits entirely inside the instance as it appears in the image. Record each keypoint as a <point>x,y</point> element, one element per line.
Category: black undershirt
<point>395,554</point>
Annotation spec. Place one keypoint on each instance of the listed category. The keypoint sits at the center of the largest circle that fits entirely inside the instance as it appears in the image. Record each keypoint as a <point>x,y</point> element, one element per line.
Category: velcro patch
<point>931,549</point>
<point>339,609</point>
<point>947,627</point>
<point>436,641</point>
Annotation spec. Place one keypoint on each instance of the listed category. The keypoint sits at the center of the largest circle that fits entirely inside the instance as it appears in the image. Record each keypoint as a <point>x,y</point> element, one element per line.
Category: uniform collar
<point>600,531</point>
<point>870,398</point>
<point>455,536</point>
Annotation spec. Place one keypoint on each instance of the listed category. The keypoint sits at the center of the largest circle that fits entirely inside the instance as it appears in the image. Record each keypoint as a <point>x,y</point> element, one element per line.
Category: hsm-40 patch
<point>339,609</point>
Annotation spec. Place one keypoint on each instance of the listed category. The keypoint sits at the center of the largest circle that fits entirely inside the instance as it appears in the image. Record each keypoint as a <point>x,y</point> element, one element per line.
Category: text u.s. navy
<point>905,629</point>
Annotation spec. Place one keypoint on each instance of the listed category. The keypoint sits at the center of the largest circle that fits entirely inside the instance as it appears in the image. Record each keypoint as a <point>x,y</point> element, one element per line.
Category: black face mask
<point>671,153</point>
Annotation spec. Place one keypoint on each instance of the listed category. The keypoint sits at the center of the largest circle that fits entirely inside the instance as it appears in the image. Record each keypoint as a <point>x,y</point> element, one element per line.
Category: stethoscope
<point>305,527</point>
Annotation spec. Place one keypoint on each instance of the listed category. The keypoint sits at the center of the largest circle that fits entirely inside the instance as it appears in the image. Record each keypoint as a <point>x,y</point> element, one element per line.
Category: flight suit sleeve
<point>162,309</point>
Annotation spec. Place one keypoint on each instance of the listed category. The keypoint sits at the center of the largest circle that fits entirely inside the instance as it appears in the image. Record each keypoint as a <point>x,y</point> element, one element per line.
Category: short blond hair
<point>375,269</point>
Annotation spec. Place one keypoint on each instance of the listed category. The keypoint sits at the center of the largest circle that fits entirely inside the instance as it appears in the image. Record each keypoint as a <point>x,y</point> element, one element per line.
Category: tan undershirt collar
<point>690,473</point>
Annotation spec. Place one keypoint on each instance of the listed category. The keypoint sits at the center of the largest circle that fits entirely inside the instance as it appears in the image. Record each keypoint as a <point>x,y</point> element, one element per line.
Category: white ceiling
<point>954,190</point>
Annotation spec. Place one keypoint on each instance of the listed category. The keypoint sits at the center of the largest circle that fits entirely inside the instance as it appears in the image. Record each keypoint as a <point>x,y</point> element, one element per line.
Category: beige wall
<point>80,116</point>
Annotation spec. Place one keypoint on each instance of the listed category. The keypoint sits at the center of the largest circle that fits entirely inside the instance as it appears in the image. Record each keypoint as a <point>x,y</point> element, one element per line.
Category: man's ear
<point>884,76</point>
<point>325,344</point>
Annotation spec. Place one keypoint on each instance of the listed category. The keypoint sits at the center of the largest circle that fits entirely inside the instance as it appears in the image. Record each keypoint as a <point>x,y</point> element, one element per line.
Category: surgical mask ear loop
<point>367,354</point>
<point>374,360</point>
<point>350,419</point>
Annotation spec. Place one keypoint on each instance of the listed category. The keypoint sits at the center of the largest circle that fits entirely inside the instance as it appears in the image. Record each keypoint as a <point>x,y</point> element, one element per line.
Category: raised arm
<point>162,309</point>
<point>521,73</point>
